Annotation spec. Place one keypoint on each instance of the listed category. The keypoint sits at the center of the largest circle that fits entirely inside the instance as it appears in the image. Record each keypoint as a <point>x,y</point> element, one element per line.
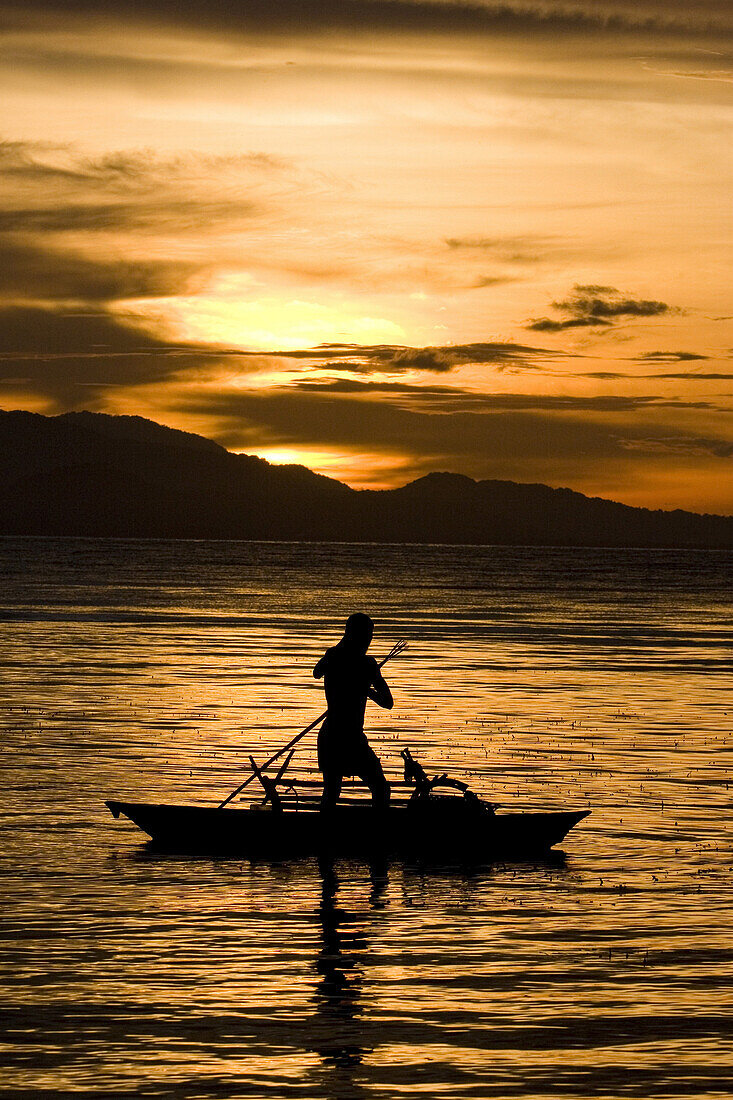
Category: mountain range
<point>92,474</point>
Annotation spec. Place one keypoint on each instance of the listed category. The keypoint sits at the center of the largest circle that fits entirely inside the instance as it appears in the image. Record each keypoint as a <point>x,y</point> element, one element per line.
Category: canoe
<point>441,827</point>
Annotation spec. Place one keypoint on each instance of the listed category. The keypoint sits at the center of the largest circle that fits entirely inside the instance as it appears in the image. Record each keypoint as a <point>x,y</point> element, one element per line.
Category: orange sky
<point>381,238</point>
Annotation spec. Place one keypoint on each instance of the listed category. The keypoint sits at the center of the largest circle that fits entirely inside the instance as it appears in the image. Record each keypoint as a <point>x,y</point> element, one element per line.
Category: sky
<point>381,238</point>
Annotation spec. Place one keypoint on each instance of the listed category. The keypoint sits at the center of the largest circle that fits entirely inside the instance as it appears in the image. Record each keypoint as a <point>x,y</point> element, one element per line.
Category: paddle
<point>396,649</point>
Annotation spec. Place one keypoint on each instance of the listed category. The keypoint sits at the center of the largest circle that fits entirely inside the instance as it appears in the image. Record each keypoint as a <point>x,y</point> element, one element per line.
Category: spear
<point>396,649</point>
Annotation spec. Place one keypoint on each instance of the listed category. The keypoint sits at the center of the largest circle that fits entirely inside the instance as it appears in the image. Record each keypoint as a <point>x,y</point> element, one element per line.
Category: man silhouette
<point>350,678</point>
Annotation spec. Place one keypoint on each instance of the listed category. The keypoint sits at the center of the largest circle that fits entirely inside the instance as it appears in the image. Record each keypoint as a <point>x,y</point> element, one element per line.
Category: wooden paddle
<point>396,649</point>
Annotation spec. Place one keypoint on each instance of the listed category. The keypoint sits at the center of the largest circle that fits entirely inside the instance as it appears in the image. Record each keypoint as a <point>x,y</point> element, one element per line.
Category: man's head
<point>359,631</point>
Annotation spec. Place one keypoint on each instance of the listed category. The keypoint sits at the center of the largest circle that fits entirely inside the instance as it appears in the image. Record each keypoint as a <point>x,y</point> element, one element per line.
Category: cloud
<point>607,302</point>
<point>490,280</point>
<point>592,306</point>
<point>60,349</point>
<point>390,16</point>
<point>31,331</point>
<point>605,375</point>
<point>123,171</point>
<point>352,386</point>
<point>33,270</point>
<point>133,190</point>
<point>520,443</point>
<point>455,399</point>
<point>686,376</point>
<point>680,444</point>
<point>72,357</point>
<point>670,357</point>
<point>518,249</point>
<point>709,377</point>
<point>396,359</point>
<point>163,214</point>
<point>125,225</point>
<point>71,226</point>
<point>546,324</point>
<point>287,416</point>
<point>723,76</point>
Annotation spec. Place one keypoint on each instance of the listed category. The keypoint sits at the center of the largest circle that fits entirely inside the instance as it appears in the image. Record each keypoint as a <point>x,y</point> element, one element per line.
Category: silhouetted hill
<point>123,476</point>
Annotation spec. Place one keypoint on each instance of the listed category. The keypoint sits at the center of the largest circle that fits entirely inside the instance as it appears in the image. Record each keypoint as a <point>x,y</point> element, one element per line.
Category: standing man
<point>350,678</point>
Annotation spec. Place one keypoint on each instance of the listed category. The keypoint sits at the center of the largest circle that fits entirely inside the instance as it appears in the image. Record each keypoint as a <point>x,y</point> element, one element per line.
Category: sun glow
<point>234,313</point>
<point>358,469</point>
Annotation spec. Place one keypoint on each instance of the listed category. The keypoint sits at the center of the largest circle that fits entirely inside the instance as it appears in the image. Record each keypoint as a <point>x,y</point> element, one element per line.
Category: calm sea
<point>547,678</point>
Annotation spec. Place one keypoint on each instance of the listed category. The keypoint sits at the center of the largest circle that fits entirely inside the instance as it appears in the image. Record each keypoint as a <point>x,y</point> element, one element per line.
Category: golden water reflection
<point>547,678</point>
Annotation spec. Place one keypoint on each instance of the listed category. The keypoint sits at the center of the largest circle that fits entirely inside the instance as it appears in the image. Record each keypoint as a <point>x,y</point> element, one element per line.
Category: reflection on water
<point>342,960</point>
<point>548,678</point>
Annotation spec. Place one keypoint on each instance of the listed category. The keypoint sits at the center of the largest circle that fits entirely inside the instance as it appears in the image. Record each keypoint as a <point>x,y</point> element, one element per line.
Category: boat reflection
<point>338,1034</point>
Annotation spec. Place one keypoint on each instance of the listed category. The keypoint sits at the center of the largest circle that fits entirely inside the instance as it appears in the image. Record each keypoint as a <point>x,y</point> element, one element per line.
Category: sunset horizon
<point>285,459</point>
<point>382,237</point>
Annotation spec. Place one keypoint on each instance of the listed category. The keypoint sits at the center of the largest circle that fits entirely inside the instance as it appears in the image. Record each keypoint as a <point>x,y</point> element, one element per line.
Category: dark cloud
<point>488,244</point>
<point>65,218</point>
<point>133,190</point>
<point>591,306</point>
<point>351,385</point>
<point>605,375</point>
<point>70,347</point>
<point>721,75</point>
<point>391,16</point>
<point>122,171</point>
<point>55,196</point>
<point>396,359</point>
<point>165,214</point>
<point>36,271</point>
<point>686,376</point>
<point>708,377</point>
<point>546,324</point>
<point>453,398</point>
<point>670,357</point>
<point>607,302</point>
<point>71,357</point>
<point>506,442</point>
<point>517,249</point>
<point>287,416</point>
<point>490,280</point>
<point>405,359</point>
<point>28,331</point>
<point>679,443</point>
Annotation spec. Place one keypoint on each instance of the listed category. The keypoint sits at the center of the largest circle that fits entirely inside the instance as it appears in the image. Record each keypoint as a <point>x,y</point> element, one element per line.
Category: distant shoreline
<point>91,475</point>
<point>351,542</point>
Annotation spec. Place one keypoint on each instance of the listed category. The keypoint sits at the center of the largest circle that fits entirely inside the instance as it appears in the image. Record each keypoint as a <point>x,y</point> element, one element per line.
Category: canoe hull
<point>443,828</point>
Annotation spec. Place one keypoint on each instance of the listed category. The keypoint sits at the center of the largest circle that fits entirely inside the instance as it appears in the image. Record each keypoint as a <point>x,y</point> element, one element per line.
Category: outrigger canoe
<point>439,826</point>
<point>425,825</point>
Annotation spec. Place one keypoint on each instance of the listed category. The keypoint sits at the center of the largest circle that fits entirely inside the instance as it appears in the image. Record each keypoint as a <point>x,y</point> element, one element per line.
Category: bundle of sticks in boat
<point>297,791</point>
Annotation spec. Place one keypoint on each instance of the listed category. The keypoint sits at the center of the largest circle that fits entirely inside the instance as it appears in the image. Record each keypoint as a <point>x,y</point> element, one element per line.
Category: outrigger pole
<point>395,651</point>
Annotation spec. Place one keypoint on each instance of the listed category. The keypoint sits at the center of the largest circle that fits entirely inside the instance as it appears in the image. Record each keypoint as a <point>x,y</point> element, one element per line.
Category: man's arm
<point>320,670</point>
<point>379,691</point>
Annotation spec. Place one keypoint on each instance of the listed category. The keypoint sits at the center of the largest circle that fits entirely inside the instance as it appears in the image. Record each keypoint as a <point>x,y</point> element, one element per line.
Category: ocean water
<point>548,678</point>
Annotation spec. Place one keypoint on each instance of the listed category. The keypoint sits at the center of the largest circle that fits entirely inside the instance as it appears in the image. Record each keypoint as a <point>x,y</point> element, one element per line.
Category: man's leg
<point>332,779</point>
<point>370,770</point>
<point>328,765</point>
